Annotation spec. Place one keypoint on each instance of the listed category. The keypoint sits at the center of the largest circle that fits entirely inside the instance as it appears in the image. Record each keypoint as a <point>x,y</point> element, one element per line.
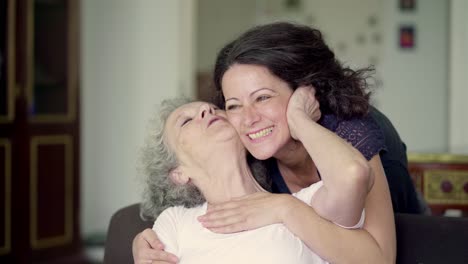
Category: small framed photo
<point>407,5</point>
<point>407,37</point>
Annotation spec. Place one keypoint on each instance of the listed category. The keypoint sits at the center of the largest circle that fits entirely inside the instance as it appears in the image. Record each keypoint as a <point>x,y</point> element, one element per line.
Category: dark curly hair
<point>298,55</point>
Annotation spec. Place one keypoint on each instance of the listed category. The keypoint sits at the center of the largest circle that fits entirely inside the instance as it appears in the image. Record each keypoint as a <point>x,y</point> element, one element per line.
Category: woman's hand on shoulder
<point>147,248</point>
<point>302,103</point>
<point>247,212</point>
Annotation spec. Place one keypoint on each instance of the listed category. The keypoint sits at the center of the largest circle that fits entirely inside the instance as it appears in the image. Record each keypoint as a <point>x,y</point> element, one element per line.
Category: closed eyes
<point>186,121</point>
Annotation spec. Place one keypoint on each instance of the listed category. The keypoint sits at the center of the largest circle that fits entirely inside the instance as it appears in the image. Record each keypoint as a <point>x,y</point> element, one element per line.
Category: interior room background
<point>136,53</point>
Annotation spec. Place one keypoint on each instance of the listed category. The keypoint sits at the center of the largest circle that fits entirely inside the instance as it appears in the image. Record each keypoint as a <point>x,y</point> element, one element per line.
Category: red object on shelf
<point>442,179</point>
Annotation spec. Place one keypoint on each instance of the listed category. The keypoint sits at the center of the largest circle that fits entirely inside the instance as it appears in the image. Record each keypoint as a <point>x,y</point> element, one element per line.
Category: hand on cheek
<point>302,103</point>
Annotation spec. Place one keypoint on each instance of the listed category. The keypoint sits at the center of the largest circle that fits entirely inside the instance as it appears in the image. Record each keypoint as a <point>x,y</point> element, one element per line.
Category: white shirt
<point>184,236</point>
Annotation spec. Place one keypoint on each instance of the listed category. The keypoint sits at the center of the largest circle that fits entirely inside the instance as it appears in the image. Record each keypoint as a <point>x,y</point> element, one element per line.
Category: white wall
<point>414,91</point>
<point>134,53</point>
<point>459,77</point>
<point>219,21</point>
<point>415,83</point>
<point>350,30</point>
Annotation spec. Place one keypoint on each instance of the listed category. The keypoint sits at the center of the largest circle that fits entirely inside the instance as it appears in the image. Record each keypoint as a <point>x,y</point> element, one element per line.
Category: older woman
<point>196,160</point>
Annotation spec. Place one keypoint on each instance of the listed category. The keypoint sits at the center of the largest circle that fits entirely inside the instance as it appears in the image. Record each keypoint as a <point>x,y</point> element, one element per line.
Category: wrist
<point>295,121</point>
<point>289,204</point>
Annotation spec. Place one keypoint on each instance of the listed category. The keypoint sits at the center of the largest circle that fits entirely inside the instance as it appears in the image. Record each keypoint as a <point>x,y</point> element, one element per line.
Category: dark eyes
<point>232,107</point>
<point>262,98</point>
<point>186,121</point>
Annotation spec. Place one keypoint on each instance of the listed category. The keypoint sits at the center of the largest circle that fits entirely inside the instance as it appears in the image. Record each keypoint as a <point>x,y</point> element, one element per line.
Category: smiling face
<point>197,130</point>
<point>256,104</point>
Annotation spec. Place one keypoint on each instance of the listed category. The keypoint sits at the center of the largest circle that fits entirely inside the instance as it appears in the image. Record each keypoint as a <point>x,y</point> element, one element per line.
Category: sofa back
<point>420,239</point>
<point>431,239</point>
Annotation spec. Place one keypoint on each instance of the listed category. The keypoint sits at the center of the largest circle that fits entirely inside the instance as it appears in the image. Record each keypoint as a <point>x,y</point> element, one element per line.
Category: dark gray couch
<point>420,239</point>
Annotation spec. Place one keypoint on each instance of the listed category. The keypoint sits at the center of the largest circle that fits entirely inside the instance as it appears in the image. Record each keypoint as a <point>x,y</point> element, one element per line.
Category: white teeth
<point>261,133</point>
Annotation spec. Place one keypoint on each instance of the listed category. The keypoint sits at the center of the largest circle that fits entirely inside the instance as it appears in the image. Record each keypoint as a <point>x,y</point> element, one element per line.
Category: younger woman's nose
<point>250,116</point>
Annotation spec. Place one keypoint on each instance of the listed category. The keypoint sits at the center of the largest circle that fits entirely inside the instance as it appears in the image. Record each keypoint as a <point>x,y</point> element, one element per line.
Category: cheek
<point>235,121</point>
<point>187,142</point>
<point>276,112</point>
<point>185,152</point>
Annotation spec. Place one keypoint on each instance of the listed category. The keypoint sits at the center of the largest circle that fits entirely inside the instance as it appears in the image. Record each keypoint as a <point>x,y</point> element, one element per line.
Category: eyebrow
<point>252,93</point>
<point>178,118</point>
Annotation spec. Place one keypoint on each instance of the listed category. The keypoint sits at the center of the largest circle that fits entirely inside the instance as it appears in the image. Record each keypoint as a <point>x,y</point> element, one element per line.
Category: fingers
<point>311,104</point>
<point>309,89</point>
<point>234,228</point>
<point>224,206</point>
<point>147,248</point>
<point>246,213</point>
<point>150,237</point>
<point>222,215</point>
<point>222,221</point>
<point>160,256</point>
<point>227,217</point>
<point>154,255</point>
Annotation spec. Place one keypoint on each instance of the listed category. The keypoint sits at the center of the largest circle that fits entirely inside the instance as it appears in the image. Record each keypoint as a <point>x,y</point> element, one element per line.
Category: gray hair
<point>158,160</point>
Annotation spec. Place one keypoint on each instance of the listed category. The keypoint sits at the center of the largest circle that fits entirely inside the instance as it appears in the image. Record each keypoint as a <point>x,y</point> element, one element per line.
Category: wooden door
<point>39,130</point>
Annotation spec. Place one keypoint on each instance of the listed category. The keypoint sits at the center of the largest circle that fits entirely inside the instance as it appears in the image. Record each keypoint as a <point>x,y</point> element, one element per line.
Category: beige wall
<point>413,88</point>
<point>134,53</point>
<point>415,83</point>
<point>218,22</point>
<point>458,93</point>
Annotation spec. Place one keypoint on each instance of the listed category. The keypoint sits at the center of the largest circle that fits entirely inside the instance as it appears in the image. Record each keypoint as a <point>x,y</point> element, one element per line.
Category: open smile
<point>261,133</point>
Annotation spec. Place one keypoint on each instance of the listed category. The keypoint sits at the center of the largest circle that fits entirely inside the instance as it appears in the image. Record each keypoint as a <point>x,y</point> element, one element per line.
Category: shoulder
<point>170,215</point>
<point>363,133</point>
<point>179,213</point>
<point>173,219</point>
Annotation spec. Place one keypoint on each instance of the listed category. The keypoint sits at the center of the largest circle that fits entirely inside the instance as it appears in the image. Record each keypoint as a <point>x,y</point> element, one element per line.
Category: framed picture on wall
<point>407,37</point>
<point>407,5</point>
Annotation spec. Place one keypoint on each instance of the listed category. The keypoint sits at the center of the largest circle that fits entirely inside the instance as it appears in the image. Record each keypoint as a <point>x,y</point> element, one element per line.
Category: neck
<point>296,166</point>
<point>293,155</point>
<point>227,181</point>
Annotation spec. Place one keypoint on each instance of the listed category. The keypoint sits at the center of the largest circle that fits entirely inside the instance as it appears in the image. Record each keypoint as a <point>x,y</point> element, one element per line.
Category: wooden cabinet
<point>39,130</point>
<point>442,179</point>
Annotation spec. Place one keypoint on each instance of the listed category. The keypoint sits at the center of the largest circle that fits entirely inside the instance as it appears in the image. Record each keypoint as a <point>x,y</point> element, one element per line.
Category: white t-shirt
<point>184,236</point>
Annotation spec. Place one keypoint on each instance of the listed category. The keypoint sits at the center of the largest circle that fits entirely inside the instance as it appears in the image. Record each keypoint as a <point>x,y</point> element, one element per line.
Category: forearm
<point>375,243</point>
<point>344,171</point>
<point>326,148</point>
<point>331,242</point>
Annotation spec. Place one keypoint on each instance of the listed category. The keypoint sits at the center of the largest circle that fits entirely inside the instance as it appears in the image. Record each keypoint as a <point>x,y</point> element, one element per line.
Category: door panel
<point>39,131</point>
<point>51,212</point>
<point>5,194</point>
